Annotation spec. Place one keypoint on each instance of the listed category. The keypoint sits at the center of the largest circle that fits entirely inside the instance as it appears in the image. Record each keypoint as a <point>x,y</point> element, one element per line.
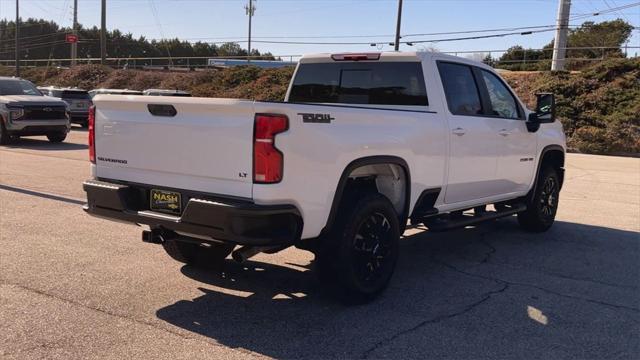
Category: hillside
<point>599,107</point>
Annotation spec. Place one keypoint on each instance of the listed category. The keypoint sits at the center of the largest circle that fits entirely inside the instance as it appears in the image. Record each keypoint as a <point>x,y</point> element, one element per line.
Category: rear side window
<point>460,89</point>
<point>376,83</point>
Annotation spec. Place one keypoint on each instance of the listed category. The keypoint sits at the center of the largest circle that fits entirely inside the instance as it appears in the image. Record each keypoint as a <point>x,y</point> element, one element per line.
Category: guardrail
<point>152,63</point>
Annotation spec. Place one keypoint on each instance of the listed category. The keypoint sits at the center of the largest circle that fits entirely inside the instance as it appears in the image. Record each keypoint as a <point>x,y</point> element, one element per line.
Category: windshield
<point>18,87</point>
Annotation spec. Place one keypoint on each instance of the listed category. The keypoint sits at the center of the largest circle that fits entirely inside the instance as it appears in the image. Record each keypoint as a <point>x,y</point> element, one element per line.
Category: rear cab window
<point>364,83</point>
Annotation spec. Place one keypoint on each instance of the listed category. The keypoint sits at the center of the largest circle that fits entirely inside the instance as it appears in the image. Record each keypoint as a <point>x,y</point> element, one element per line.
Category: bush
<point>599,107</point>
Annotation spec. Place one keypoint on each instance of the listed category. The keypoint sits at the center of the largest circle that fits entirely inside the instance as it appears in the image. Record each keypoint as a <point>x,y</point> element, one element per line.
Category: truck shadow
<point>41,143</point>
<point>282,311</point>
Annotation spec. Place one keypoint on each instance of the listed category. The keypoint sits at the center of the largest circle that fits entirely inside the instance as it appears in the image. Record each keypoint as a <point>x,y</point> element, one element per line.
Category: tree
<point>41,39</point>
<point>611,34</point>
<point>231,49</point>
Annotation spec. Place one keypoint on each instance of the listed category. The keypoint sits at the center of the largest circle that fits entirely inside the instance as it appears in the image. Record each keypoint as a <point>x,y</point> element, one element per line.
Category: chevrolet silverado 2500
<point>362,145</point>
<point>24,111</point>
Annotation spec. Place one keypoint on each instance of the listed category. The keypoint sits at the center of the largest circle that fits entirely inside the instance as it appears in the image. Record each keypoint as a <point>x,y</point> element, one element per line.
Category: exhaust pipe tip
<point>153,237</point>
<point>244,253</point>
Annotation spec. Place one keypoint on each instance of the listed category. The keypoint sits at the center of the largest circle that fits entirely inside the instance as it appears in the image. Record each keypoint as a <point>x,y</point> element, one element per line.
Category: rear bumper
<point>229,220</point>
<point>79,116</point>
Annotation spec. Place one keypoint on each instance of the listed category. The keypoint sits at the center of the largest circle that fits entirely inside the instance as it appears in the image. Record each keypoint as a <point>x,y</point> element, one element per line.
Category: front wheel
<point>5,138</point>
<point>359,257</point>
<point>56,137</point>
<point>542,206</point>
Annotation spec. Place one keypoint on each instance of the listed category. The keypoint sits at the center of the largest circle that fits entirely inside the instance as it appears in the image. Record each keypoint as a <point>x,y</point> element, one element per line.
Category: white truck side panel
<point>316,154</point>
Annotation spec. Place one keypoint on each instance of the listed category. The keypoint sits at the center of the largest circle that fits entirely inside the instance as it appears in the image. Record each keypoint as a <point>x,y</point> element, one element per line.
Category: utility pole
<point>250,9</point>
<point>103,34</point>
<point>74,45</point>
<point>17,38</point>
<point>562,29</point>
<point>397,42</point>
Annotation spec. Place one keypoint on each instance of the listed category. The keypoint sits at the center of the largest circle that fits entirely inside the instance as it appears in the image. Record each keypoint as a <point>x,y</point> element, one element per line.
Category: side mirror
<point>546,107</point>
<point>545,112</point>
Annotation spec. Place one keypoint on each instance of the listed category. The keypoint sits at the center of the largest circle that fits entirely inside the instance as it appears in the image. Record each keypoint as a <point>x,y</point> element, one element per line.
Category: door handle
<point>459,131</point>
<point>504,132</point>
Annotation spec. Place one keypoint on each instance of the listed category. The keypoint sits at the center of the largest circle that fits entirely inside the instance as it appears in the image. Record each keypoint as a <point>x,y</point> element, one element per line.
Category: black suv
<point>79,102</point>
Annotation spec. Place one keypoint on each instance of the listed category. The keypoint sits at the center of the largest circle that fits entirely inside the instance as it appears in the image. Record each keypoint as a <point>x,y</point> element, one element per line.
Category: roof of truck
<point>394,56</point>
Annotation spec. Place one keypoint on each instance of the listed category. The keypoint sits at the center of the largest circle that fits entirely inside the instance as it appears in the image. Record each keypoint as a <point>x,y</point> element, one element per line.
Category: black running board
<point>440,224</point>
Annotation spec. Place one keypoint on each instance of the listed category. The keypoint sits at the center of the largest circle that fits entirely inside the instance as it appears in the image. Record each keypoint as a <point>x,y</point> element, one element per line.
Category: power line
<point>154,11</point>
<point>606,11</point>
<point>617,13</point>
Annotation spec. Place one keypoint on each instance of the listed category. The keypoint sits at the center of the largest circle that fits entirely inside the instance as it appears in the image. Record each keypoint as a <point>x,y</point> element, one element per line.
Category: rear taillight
<point>268,162</point>
<point>92,134</point>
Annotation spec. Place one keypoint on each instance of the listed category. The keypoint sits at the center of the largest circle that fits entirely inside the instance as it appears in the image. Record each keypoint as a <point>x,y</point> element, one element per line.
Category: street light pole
<point>74,45</point>
<point>103,34</point>
<point>17,38</point>
<point>397,42</point>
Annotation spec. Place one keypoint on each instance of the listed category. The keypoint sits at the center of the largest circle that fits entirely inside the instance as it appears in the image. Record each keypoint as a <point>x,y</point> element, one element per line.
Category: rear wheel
<point>198,255</point>
<point>359,257</point>
<point>56,137</point>
<point>543,203</point>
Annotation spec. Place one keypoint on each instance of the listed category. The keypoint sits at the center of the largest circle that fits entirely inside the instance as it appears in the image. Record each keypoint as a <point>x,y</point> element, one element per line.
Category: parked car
<point>95,92</point>
<point>25,111</point>
<point>165,92</point>
<point>79,102</point>
<point>362,144</point>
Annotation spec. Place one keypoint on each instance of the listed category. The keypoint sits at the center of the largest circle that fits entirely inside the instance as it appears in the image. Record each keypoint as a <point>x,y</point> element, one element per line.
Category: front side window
<point>18,87</point>
<point>376,83</point>
<point>503,103</point>
<point>460,89</point>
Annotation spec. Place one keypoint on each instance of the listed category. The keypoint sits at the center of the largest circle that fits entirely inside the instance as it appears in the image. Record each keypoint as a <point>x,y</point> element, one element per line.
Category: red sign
<point>71,38</point>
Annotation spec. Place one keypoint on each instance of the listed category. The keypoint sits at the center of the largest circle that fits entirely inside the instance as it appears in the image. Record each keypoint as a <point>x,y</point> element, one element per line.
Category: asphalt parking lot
<point>72,286</point>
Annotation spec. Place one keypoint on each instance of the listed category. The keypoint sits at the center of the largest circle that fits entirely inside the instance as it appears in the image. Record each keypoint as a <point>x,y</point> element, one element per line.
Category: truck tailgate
<point>206,146</point>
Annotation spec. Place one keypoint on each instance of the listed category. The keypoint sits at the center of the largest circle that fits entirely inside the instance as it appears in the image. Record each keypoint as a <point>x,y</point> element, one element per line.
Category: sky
<point>360,21</point>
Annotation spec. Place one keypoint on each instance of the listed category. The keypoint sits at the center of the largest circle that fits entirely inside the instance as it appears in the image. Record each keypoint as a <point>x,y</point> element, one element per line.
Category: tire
<point>357,260</point>
<point>5,138</point>
<point>542,205</point>
<point>56,137</point>
<point>196,254</point>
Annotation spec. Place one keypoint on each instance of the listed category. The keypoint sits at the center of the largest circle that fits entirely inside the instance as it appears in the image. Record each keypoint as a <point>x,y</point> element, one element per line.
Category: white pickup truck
<point>361,145</point>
